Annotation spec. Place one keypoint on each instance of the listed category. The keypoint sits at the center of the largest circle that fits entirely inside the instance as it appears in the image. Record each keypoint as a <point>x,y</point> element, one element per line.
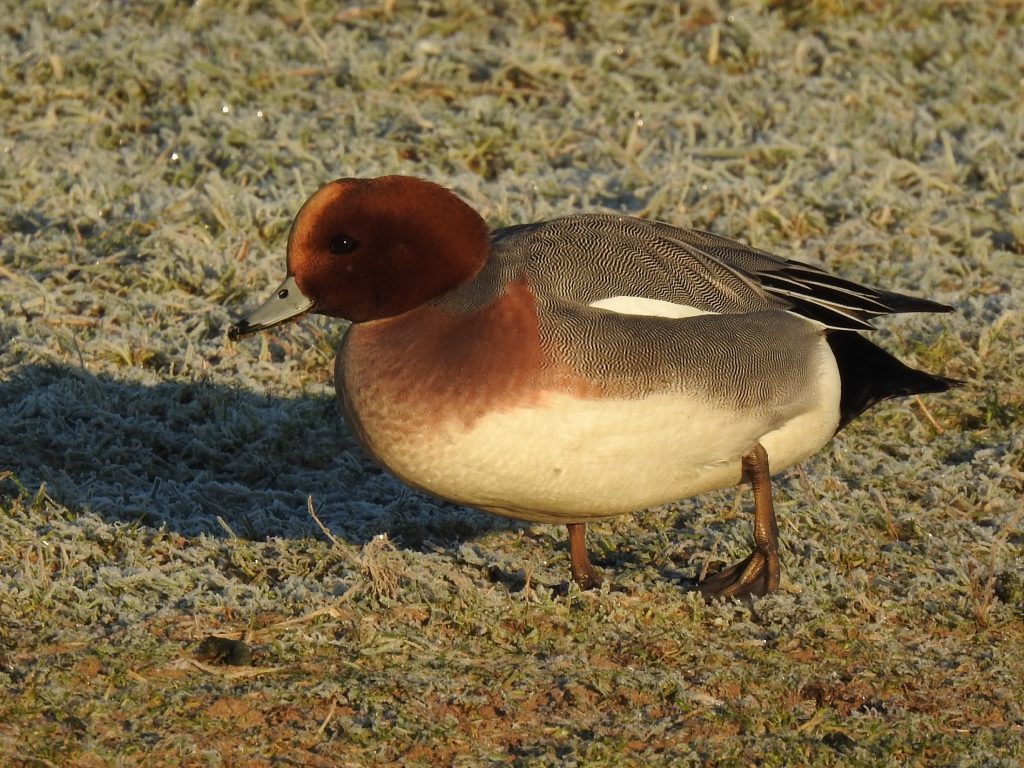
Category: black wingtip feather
<point>898,302</point>
<point>830,316</point>
<point>805,286</point>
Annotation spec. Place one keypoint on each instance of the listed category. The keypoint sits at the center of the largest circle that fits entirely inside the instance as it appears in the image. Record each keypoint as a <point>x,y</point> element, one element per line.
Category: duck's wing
<point>596,258</point>
<point>813,292</point>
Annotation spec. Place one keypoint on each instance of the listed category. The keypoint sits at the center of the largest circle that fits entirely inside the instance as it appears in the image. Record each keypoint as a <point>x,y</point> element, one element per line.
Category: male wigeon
<point>583,367</point>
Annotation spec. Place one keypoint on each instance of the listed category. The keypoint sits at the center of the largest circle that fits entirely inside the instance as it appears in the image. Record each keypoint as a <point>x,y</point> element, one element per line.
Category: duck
<point>582,367</point>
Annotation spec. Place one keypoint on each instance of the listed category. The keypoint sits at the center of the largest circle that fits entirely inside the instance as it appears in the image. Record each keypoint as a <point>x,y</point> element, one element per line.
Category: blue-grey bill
<point>284,304</point>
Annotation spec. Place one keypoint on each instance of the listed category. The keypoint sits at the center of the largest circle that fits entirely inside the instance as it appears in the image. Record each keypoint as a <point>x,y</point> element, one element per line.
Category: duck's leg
<point>583,572</point>
<point>758,574</point>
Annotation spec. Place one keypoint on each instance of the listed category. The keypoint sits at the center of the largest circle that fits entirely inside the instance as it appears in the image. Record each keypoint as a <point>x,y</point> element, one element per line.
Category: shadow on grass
<point>181,455</point>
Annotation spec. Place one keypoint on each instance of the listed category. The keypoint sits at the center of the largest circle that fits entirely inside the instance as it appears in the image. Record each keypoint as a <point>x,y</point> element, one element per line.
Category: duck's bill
<point>286,303</point>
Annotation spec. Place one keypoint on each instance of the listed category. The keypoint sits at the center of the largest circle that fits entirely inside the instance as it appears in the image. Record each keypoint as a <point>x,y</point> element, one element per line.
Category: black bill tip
<point>240,329</point>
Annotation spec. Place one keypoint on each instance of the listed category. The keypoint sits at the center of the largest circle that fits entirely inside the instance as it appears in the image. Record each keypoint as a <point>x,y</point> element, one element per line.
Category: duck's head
<point>366,249</point>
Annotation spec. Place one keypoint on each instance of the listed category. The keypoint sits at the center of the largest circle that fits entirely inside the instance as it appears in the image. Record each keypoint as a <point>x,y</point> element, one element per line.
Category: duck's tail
<point>868,375</point>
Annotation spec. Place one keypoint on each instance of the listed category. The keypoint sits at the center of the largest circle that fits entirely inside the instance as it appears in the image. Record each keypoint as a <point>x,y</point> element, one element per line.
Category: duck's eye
<point>342,244</point>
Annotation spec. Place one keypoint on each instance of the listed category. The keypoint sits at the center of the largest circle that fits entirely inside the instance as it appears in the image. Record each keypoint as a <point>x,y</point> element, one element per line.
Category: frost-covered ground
<point>154,477</point>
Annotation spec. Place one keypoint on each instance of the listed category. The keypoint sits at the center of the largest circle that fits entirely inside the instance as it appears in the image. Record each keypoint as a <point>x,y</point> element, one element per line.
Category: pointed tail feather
<point>869,374</point>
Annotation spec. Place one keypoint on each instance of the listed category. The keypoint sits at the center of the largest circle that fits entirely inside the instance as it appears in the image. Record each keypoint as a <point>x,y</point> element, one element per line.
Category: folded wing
<point>596,257</point>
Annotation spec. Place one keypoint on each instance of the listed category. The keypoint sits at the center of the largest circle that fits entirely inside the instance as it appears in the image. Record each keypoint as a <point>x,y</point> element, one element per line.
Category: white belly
<point>565,459</point>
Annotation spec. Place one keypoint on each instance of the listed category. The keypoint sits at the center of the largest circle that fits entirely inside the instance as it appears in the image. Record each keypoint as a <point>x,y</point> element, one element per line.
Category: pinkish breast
<point>412,376</point>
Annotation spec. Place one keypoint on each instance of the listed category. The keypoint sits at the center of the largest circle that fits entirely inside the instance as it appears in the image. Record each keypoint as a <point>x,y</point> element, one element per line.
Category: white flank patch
<point>638,305</point>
